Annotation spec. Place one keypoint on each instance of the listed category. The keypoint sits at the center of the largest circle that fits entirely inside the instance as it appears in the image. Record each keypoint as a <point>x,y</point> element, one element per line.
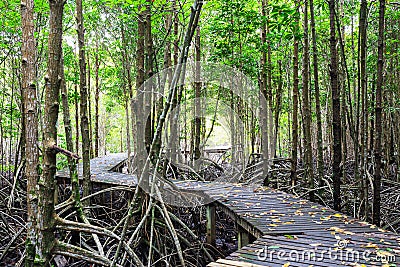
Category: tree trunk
<point>149,86</point>
<point>68,135</point>
<point>46,223</point>
<point>197,85</point>
<point>295,141</point>
<point>278,104</point>
<point>91,152</point>
<point>270,116</point>
<point>336,123</point>
<point>30,119</point>
<point>264,92</point>
<point>174,126</point>
<point>96,103</point>
<point>84,97</point>
<point>127,94</point>
<point>138,105</point>
<point>317,97</point>
<point>309,169</point>
<point>376,217</point>
<point>363,88</point>
<point>76,118</point>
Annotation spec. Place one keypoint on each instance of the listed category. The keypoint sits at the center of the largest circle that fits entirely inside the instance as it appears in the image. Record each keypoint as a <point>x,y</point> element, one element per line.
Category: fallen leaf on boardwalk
<point>338,215</point>
<point>325,218</point>
<point>348,233</point>
<point>291,236</point>
<point>274,247</point>
<point>298,212</point>
<point>337,229</point>
<point>371,245</point>
<point>273,225</point>
<point>286,264</point>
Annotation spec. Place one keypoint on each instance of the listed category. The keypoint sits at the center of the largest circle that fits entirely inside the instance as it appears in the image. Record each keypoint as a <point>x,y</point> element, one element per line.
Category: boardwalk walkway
<point>288,231</point>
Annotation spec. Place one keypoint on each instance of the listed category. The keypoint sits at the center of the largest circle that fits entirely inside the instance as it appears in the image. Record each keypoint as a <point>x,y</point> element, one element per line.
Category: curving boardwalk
<point>276,228</point>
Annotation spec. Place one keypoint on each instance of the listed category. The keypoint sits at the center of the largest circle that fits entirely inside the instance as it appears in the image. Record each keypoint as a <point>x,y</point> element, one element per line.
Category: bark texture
<point>83,103</point>
<point>336,120</point>
<point>29,96</point>
<point>376,207</point>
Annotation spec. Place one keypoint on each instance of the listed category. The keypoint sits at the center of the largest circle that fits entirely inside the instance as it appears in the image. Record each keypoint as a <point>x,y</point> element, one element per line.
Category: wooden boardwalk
<point>105,170</point>
<point>287,231</point>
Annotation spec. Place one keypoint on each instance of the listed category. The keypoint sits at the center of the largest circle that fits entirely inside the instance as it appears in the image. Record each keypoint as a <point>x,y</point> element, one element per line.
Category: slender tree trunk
<point>309,169</point>
<point>84,97</point>
<point>130,94</point>
<point>3,149</point>
<point>96,103</point>
<point>376,217</point>
<point>126,96</point>
<point>149,86</point>
<point>140,74</point>
<point>68,135</point>
<point>364,112</point>
<point>90,106</point>
<point>76,118</point>
<point>336,123</point>
<point>278,104</point>
<point>30,119</point>
<point>264,92</point>
<point>46,223</point>
<point>317,97</point>
<point>128,131</point>
<point>11,112</point>
<point>197,85</point>
<point>295,141</point>
<point>356,96</point>
<point>174,126</point>
<point>272,137</point>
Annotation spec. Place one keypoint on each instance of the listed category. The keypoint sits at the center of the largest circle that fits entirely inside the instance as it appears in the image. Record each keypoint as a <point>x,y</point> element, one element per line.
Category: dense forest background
<point>328,71</point>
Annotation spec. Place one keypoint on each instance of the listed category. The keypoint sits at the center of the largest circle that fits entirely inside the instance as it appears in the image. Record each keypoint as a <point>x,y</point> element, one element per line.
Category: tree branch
<point>65,152</point>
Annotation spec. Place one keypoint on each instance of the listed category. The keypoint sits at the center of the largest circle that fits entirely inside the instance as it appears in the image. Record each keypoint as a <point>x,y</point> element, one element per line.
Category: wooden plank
<point>239,263</point>
<point>243,237</point>
<point>211,232</point>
